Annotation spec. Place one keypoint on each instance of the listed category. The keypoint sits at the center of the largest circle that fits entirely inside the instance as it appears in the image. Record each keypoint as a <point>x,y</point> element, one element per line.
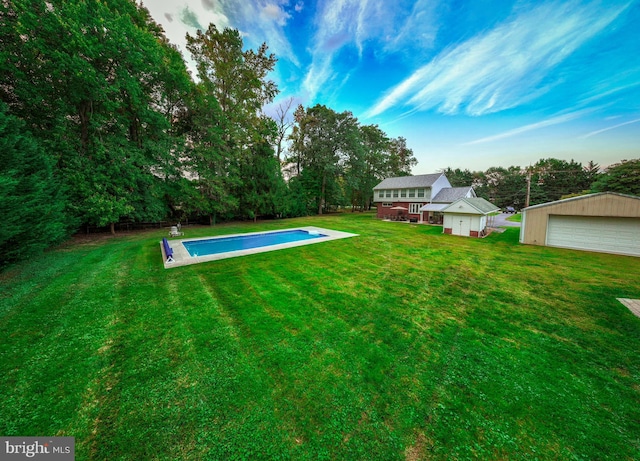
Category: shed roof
<point>434,207</point>
<point>401,182</point>
<point>475,205</point>
<point>451,194</point>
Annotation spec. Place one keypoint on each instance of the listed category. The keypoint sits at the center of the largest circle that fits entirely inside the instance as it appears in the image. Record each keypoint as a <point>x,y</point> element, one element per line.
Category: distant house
<point>606,222</point>
<point>420,198</point>
<point>468,217</point>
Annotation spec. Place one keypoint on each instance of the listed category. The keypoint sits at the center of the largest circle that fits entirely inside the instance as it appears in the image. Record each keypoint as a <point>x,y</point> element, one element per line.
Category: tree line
<point>101,122</point>
<point>547,180</point>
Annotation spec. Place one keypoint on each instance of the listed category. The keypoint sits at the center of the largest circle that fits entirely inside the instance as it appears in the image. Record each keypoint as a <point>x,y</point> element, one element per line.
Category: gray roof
<point>403,182</point>
<point>480,204</point>
<point>451,194</point>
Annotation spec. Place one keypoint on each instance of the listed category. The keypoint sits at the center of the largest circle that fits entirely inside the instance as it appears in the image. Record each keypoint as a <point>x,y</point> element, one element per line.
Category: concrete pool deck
<point>181,256</point>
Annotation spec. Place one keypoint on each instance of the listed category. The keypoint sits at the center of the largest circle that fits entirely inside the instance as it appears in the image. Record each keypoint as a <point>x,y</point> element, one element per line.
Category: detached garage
<point>606,222</point>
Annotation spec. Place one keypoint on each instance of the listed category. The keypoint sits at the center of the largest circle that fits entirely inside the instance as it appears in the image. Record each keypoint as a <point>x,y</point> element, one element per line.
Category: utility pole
<point>526,202</point>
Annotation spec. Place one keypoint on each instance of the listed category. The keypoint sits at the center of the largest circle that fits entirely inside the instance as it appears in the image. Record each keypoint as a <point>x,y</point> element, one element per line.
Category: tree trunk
<point>112,227</point>
<point>324,186</point>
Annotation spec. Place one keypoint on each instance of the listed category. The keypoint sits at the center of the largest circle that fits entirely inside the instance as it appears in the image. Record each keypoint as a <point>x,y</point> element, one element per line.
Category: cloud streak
<point>354,24</point>
<point>258,21</point>
<point>503,68</point>
<point>593,133</point>
<point>531,127</point>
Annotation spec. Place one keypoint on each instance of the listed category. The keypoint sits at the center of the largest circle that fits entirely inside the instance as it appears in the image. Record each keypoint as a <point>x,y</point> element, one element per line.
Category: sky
<point>468,84</point>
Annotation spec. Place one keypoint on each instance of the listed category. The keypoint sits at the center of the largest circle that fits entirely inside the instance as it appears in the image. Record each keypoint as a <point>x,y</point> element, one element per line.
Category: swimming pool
<point>248,241</point>
<point>198,250</point>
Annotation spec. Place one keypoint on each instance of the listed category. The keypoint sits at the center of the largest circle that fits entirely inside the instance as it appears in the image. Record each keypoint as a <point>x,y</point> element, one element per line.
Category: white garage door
<point>461,225</point>
<point>610,235</point>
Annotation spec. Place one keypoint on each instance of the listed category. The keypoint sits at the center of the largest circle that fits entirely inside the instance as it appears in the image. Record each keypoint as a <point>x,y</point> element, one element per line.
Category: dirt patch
<point>417,451</point>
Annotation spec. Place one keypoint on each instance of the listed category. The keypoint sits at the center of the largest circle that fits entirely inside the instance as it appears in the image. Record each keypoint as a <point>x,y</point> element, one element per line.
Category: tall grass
<point>402,343</point>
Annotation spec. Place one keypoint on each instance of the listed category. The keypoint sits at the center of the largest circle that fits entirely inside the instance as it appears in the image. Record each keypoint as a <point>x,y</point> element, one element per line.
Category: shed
<point>607,222</point>
<point>468,217</point>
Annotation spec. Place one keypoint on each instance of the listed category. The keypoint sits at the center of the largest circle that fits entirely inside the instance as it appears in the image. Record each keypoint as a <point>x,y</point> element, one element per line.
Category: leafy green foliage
<point>236,167</point>
<point>548,180</point>
<point>338,161</point>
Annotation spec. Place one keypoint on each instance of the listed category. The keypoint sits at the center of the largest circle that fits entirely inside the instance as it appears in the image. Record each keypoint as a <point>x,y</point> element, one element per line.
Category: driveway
<point>501,220</point>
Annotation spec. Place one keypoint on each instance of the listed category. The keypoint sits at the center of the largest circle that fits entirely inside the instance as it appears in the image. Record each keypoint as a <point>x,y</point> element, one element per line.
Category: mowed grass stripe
<point>54,336</point>
<point>402,343</point>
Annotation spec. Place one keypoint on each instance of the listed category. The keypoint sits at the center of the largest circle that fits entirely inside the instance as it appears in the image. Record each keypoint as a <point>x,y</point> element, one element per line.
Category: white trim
<point>414,208</point>
<point>182,257</point>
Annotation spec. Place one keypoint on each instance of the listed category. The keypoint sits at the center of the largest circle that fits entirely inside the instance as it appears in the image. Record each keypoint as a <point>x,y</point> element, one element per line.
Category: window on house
<point>412,193</point>
<point>420,192</point>
<point>395,193</point>
<point>414,208</point>
<point>388,204</point>
<point>388,193</point>
<point>380,194</point>
<point>403,193</point>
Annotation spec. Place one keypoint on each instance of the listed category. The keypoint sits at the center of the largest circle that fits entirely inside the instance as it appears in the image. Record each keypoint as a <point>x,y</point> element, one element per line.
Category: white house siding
<point>438,185</point>
<point>463,224</point>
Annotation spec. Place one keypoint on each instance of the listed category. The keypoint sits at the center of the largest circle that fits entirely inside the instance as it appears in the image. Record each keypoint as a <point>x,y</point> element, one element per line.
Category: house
<point>433,212</point>
<point>412,193</point>
<point>468,216</point>
<point>605,222</point>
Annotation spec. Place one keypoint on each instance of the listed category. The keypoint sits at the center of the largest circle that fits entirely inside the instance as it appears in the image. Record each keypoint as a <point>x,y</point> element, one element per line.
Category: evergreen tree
<point>31,203</point>
<point>623,177</point>
<point>261,177</point>
<point>557,178</point>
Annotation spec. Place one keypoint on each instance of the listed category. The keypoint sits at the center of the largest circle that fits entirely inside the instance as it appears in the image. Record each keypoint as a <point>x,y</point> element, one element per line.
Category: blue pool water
<point>246,242</point>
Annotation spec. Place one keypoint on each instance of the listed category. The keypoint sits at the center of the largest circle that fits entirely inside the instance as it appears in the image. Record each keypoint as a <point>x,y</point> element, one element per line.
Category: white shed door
<point>461,225</point>
<point>609,235</point>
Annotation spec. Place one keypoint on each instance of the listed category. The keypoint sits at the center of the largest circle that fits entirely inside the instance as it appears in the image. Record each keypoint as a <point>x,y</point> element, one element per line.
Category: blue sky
<point>469,84</point>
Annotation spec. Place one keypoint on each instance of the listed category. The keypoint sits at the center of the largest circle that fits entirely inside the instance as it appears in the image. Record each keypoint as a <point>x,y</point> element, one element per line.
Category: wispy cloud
<point>275,13</point>
<point>259,21</point>
<point>558,119</point>
<point>337,24</point>
<point>593,133</point>
<point>190,19</point>
<point>344,24</point>
<point>416,31</point>
<point>505,67</point>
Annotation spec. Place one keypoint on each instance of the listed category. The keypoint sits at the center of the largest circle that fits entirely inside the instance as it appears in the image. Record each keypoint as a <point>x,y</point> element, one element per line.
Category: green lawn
<point>402,343</point>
